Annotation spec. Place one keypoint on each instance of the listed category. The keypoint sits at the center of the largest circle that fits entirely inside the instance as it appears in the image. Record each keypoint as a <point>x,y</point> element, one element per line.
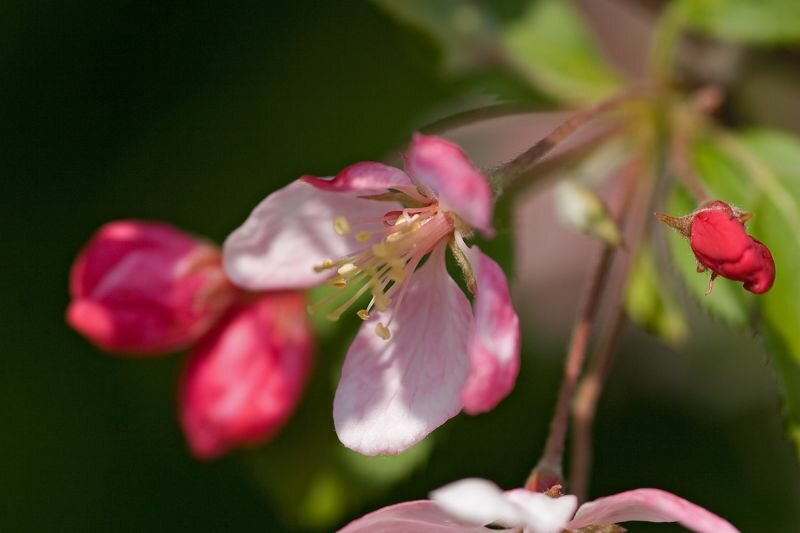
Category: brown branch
<point>587,396</point>
<point>523,163</point>
<point>549,470</point>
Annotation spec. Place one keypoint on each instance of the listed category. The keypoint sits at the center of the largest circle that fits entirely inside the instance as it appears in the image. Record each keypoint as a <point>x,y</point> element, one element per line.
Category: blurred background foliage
<point>193,112</point>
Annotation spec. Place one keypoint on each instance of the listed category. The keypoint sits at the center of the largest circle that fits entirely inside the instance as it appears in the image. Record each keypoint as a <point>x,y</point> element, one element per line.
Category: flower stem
<point>549,469</point>
<point>584,407</point>
<point>506,174</point>
<point>590,388</point>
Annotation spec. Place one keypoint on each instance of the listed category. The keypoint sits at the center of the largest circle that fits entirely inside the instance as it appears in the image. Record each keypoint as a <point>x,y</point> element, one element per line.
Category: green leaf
<point>728,301</point>
<point>770,160</point>
<point>780,153</point>
<point>724,178</point>
<point>757,22</point>
<point>650,305</point>
<point>312,479</point>
<point>552,48</point>
<point>787,367</point>
<point>463,30</point>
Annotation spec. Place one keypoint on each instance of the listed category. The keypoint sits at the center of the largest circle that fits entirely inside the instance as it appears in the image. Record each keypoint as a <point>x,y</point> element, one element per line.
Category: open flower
<point>721,244</point>
<point>423,353</point>
<point>468,505</point>
<point>147,288</point>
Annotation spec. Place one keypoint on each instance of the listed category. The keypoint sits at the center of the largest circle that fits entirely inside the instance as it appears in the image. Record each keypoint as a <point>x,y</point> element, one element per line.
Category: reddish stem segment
<point>587,396</point>
<point>549,469</point>
<point>523,163</point>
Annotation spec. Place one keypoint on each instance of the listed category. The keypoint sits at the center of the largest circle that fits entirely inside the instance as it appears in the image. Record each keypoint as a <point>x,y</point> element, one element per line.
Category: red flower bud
<point>244,379</point>
<point>147,288</point>
<point>721,244</point>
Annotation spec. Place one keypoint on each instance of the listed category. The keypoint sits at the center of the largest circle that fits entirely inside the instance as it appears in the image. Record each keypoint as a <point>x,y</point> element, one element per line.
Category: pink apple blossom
<point>146,288</point>
<point>423,352</point>
<point>242,380</point>
<point>468,505</point>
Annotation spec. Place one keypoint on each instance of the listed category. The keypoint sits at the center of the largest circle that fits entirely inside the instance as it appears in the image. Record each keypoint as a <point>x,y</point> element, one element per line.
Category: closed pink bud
<point>243,380</point>
<point>147,288</point>
<point>721,244</point>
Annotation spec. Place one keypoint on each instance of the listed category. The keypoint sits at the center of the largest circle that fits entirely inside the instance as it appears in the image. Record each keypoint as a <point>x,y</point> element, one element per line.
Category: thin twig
<point>587,396</point>
<point>549,467</point>
<point>507,173</point>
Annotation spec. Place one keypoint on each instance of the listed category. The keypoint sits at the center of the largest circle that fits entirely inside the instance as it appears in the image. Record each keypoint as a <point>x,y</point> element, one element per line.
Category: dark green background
<point>191,113</point>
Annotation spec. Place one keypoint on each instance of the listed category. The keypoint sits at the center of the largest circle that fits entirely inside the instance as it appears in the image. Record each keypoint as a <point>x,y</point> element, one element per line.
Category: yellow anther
<point>347,270</point>
<point>326,264</point>
<point>341,226</point>
<point>362,314</point>
<point>382,331</point>
<point>339,283</point>
<point>363,236</point>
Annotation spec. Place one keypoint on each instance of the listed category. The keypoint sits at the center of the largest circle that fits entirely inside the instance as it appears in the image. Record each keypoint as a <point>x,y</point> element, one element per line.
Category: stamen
<point>382,331</point>
<point>341,226</point>
<point>347,270</point>
<point>363,236</point>
<point>362,314</point>
<point>326,264</point>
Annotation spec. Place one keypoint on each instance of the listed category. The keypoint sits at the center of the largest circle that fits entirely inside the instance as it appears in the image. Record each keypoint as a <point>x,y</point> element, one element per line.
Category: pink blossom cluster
<point>147,289</point>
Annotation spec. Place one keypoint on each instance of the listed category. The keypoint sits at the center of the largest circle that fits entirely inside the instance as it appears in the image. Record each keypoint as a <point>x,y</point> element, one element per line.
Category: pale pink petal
<point>421,516</point>
<point>649,505</point>
<point>445,170</point>
<point>479,501</point>
<point>146,288</point>
<point>243,380</point>
<point>291,231</point>
<point>393,393</point>
<point>365,178</point>
<point>494,342</point>
<point>542,513</point>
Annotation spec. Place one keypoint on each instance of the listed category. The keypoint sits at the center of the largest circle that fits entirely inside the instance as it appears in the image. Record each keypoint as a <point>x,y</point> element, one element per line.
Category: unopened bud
<point>578,206</point>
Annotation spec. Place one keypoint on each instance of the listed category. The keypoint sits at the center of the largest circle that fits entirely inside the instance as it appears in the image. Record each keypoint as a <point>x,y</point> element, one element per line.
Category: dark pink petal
<point>144,287</point>
<point>445,170</point>
<point>292,231</point>
<point>421,516</point>
<point>243,381</point>
<point>494,341</point>
<point>365,178</point>
<point>392,393</point>
<point>649,505</point>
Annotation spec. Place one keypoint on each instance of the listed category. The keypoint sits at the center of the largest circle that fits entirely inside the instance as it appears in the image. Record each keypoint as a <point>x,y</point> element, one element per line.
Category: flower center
<point>383,265</point>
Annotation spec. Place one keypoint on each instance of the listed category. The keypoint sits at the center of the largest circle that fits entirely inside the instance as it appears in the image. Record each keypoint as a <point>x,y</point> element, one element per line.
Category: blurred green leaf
<point>723,177</point>
<point>760,170</point>
<point>461,29</point>
<point>552,48</point>
<point>780,153</point>
<point>728,302</point>
<point>313,479</point>
<point>758,22</point>
<point>579,207</point>
<point>649,304</point>
<point>787,367</point>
